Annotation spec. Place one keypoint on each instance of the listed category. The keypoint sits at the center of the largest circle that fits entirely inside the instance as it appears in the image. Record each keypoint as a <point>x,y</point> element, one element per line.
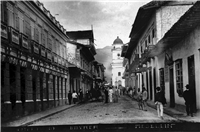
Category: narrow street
<point>125,111</point>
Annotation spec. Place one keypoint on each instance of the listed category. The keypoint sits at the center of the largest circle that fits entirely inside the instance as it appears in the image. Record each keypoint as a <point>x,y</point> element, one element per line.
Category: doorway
<point>191,77</point>
<point>154,81</point>
<point>171,75</point>
<point>150,80</point>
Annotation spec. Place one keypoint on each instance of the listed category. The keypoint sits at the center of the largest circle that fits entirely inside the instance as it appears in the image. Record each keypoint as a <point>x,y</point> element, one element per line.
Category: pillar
<point>29,89</point>
<point>18,85</point>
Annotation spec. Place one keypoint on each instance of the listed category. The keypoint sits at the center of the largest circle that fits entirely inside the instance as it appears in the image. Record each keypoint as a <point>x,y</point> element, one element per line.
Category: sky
<point>108,19</point>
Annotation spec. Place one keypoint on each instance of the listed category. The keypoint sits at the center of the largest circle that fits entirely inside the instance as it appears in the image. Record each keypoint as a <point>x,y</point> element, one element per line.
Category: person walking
<point>81,95</point>
<point>187,95</point>
<point>70,97</point>
<point>110,94</point>
<point>160,101</point>
<point>106,94</point>
<point>74,97</point>
<point>87,95</point>
<point>139,99</point>
<point>144,98</point>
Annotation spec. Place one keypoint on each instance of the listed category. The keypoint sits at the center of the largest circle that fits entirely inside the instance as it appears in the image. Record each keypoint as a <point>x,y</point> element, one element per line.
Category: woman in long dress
<point>110,95</point>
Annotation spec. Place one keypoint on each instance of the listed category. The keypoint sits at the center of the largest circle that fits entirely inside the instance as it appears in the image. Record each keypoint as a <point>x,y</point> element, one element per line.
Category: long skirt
<point>110,98</point>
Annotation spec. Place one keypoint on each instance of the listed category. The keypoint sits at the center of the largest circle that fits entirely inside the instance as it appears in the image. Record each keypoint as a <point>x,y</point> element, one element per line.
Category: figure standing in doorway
<point>70,97</point>
<point>187,95</point>
<point>81,95</point>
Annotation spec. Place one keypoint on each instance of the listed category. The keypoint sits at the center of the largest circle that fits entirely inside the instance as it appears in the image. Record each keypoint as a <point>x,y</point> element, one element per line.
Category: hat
<point>187,86</point>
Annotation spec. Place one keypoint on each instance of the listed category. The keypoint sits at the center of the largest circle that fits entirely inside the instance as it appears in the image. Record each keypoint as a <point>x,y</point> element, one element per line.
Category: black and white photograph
<point>100,65</point>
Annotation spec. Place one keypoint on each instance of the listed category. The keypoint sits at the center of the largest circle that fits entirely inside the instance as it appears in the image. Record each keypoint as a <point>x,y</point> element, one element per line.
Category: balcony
<point>4,31</point>
<point>150,47</point>
<point>43,52</point>
<point>14,35</point>
<point>49,55</point>
<point>55,59</point>
<point>35,47</point>
<point>24,41</point>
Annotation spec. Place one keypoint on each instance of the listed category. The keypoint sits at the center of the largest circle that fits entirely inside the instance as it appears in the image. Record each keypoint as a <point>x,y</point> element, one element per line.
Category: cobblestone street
<point>125,111</point>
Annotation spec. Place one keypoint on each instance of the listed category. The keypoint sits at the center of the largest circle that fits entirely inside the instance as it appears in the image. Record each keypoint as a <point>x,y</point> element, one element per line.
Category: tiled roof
<point>188,22</point>
<point>141,22</point>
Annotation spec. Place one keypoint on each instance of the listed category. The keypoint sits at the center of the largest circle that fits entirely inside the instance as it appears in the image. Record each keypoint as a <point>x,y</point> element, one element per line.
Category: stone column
<point>58,85</point>
<point>38,86</point>
<point>29,89</point>
<point>56,89</point>
<point>18,85</point>
<point>47,88</point>
<point>61,84</point>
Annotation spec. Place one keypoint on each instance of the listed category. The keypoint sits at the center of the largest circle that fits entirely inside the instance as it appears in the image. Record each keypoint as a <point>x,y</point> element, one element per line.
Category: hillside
<point>104,56</point>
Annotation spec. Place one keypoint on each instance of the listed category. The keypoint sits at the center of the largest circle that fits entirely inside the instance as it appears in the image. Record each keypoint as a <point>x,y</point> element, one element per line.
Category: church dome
<point>117,41</point>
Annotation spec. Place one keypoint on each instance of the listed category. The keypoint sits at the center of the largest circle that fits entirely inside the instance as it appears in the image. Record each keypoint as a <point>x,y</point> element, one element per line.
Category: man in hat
<point>187,95</point>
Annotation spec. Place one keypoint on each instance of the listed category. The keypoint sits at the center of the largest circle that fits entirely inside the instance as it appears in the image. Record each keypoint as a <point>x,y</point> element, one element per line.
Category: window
<point>40,34</point>
<point>32,30</point>
<point>119,73</point>
<point>118,55</point>
<point>179,77</point>
<point>21,22</point>
<point>153,33</point>
<point>145,43</point>
<point>1,10</point>
<point>10,15</point>
<point>36,34</point>
<point>149,39</point>
<point>45,37</point>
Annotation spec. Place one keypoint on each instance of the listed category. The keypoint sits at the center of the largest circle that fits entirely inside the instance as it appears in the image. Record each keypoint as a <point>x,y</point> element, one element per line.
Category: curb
<point>31,122</point>
<point>167,112</point>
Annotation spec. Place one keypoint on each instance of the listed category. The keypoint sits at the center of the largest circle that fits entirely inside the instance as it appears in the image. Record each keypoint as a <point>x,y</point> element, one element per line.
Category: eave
<point>180,30</point>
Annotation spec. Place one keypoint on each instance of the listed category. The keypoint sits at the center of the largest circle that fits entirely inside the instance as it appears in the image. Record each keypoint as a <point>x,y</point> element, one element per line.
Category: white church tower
<point>117,63</point>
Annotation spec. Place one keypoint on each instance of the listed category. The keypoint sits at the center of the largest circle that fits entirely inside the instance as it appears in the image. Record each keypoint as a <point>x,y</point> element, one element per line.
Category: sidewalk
<point>24,121</point>
<point>180,115</point>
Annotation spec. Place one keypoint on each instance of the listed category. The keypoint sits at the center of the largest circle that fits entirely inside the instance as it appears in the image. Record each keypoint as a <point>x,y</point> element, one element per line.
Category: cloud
<point>109,19</point>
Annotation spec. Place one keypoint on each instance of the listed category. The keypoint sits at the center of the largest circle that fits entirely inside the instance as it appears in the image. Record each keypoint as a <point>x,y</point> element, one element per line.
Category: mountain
<point>104,56</point>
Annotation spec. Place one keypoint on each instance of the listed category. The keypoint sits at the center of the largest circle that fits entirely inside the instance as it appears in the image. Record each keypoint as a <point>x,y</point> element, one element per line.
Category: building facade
<point>82,68</point>
<point>33,59</point>
<point>117,63</point>
<point>158,56</point>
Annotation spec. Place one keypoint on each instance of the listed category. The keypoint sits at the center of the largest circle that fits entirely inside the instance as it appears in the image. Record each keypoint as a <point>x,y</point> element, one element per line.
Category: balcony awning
<point>134,65</point>
<point>188,22</point>
<point>141,69</point>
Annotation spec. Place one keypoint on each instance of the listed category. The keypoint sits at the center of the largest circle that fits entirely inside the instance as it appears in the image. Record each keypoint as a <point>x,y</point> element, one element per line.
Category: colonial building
<point>81,67</point>
<point>163,49</point>
<point>117,63</point>
<point>178,56</point>
<point>33,59</point>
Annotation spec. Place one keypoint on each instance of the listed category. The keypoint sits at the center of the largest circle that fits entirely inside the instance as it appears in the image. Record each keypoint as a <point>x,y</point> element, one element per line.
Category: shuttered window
<point>179,77</point>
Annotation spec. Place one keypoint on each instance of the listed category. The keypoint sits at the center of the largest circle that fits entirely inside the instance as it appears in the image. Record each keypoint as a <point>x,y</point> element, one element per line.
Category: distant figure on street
<point>74,97</point>
<point>115,94</point>
<point>70,97</point>
<point>80,95</point>
<point>187,95</point>
<point>144,98</point>
<point>106,94</point>
<point>160,101</point>
<point>87,95</point>
<point>139,99</point>
<point>110,94</point>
